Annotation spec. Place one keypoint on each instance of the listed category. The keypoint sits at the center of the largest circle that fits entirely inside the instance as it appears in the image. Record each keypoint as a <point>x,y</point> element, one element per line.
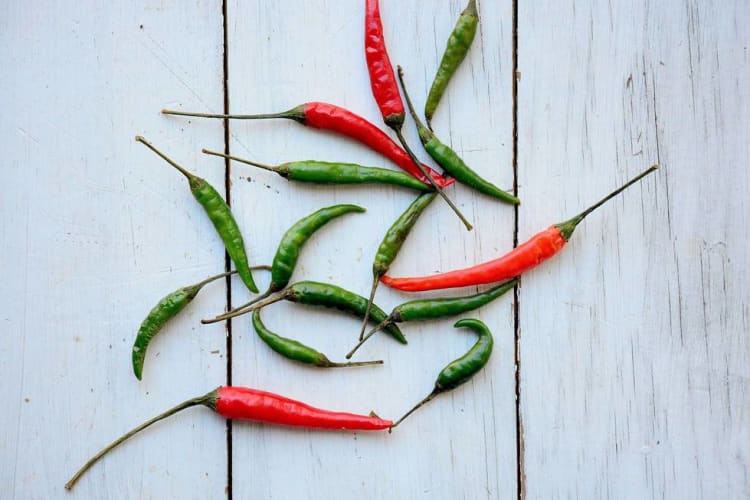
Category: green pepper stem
<point>331,364</point>
<point>416,162</point>
<point>387,321</point>
<point>251,302</point>
<point>471,9</point>
<point>566,228</point>
<point>242,160</point>
<point>249,307</point>
<point>150,146</point>
<point>215,277</point>
<point>375,281</point>
<point>206,281</point>
<point>429,398</point>
<point>263,116</point>
<point>206,400</point>
<point>420,126</point>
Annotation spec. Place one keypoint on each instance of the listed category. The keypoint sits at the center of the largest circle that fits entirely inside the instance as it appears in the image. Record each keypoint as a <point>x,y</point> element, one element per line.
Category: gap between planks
<point>520,474</point>
<point>227,260</point>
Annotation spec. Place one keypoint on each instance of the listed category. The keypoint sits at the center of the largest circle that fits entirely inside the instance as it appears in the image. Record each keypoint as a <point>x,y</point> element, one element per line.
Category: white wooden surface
<point>95,229</point>
<point>293,52</point>
<point>634,353</point>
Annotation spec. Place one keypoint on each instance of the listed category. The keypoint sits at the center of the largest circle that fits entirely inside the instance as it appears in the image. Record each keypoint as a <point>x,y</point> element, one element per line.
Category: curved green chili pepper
<point>462,369</point>
<point>221,217</point>
<point>167,308</point>
<point>458,45</point>
<point>297,351</point>
<point>292,242</point>
<point>419,310</point>
<point>296,236</point>
<point>323,172</point>
<point>314,293</point>
<point>392,242</point>
<point>449,159</point>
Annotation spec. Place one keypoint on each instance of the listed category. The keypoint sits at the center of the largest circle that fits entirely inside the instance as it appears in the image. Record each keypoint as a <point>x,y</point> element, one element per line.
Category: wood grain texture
<point>634,350</point>
<point>634,346</point>
<point>286,53</point>
<point>95,230</point>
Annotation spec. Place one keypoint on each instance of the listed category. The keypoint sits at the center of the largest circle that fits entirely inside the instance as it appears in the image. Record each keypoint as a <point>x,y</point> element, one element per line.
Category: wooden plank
<point>282,54</point>
<point>634,346</point>
<point>95,230</point>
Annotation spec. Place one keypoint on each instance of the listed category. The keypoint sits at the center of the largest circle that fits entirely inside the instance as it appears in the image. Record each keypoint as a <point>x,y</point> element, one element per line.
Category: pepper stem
<point>331,364</point>
<point>566,228</point>
<point>242,160</point>
<point>207,400</point>
<point>437,188</point>
<point>150,146</point>
<point>424,133</point>
<point>375,281</point>
<point>429,398</point>
<point>208,280</point>
<point>387,321</point>
<point>296,114</point>
<point>249,307</point>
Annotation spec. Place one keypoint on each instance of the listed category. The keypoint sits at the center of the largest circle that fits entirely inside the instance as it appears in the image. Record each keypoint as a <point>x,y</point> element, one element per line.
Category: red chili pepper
<point>385,89</point>
<point>531,253</point>
<point>382,78</point>
<point>326,116</point>
<point>244,403</point>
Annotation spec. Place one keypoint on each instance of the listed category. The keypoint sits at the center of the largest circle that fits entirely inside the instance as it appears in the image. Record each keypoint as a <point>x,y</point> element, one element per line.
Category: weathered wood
<point>95,230</point>
<point>634,345</point>
<point>462,445</point>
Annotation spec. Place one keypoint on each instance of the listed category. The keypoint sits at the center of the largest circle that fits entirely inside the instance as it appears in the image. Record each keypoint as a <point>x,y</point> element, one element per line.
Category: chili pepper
<point>244,403</point>
<point>419,310</point>
<point>296,236</point>
<point>297,351</point>
<point>529,254</point>
<point>221,217</point>
<point>392,242</point>
<point>314,293</point>
<point>458,45</point>
<point>166,309</point>
<point>462,369</point>
<point>292,242</point>
<point>449,159</point>
<point>341,121</point>
<point>385,89</point>
<point>323,172</point>
<point>382,79</point>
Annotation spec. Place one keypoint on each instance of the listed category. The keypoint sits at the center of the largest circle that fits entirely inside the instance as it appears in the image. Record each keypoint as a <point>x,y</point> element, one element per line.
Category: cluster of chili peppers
<point>252,404</point>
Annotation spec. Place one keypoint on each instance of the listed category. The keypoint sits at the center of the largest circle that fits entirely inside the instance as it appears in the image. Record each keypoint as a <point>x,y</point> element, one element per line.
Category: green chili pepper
<point>167,308</point>
<point>462,369</point>
<point>420,310</point>
<point>297,351</point>
<point>221,217</point>
<point>320,294</point>
<point>292,242</point>
<point>455,51</point>
<point>323,172</point>
<point>392,242</point>
<point>449,159</point>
